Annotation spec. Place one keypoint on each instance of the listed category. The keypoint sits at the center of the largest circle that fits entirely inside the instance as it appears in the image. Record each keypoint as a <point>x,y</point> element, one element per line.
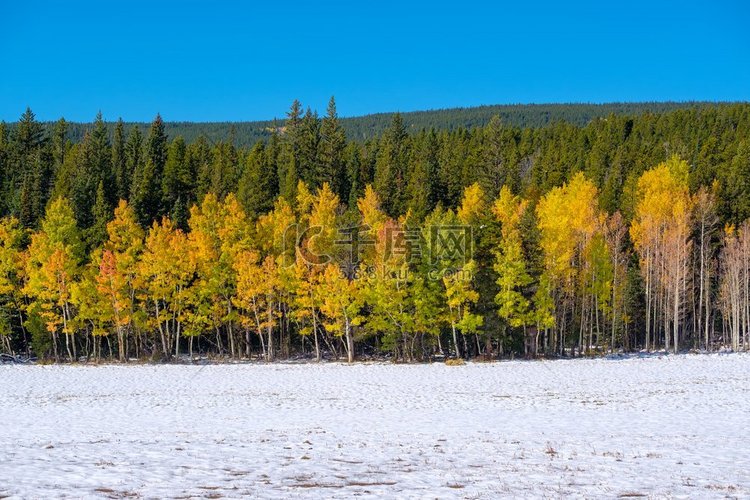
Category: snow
<point>638,426</point>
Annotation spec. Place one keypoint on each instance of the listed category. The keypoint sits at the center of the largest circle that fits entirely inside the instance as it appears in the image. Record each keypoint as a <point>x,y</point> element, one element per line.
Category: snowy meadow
<point>636,426</point>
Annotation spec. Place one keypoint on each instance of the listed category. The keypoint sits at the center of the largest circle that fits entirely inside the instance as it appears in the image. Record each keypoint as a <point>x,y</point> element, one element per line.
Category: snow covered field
<point>656,426</point>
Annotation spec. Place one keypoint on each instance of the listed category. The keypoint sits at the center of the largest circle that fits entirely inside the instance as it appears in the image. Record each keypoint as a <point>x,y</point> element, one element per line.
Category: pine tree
<point>421,192</point>
<point>355,182</point>
<point>146,185</point>
<point>93,167</point>
<point>391,168</point>
<point>29,169</point>
<point>102,213</point>
<point>178,181</point>
<point>119,163</point>
<point>289,157</point>
<point>133,162</point>
<point>331,152</point>
<point>225,170</point>
<point>308,166</point>
<point>257,185</point>
<point>736,195</point>
<point>499,164</point>
<point>101,160</point>
<point>5,166</point>
<point>60,144</point>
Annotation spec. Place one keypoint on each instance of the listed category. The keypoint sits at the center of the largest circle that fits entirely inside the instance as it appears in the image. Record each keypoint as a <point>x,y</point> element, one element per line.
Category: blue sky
<point>207,61</point>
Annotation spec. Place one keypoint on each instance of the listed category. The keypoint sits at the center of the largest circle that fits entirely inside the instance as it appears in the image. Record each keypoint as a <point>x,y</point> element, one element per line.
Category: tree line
<point>627,233</point>
<point>360,128</point>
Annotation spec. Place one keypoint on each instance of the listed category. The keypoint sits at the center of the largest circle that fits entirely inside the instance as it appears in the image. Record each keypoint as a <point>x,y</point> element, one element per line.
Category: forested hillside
<point>624,231</point>
<point>361,128</point>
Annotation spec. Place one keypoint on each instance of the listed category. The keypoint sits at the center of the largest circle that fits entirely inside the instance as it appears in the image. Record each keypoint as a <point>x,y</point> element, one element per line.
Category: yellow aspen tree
<point>387,289</point>
<point>460,296</point>
<point>115,279</point>
<point>11,271</point>
<point>257,292</point>
<point>383,275</point>
<point>316,250</point>
<point>219,231</point>
<point>341,306</point>
<point>276,235</point>
<point>53,265</point>
<point>661,235</point>
<point>568,218</point>
<point>510,262</point>
<point>164,272</point>
<point>93,312</point>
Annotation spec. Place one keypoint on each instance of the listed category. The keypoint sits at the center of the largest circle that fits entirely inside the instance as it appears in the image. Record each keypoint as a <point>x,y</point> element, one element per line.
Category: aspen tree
<point>53,265</point>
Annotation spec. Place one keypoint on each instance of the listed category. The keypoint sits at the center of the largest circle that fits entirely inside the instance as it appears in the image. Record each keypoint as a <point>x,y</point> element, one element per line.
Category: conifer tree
<point>737,185</point>
<point>178,182</point>
<point>119,163</point>
<point>331,152</point>
<point>258,184</point>
<point>391,168</point>
<point>145,191</point>
<point>133,163</point>
<point>290,156</point>
<point>102,214</point>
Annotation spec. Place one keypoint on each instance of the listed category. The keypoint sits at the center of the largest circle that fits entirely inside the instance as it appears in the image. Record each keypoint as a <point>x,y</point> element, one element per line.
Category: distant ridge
<point>372,125</point>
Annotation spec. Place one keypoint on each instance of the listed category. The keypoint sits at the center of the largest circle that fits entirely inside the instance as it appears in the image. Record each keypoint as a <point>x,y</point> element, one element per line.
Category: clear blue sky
<point>201,61</point>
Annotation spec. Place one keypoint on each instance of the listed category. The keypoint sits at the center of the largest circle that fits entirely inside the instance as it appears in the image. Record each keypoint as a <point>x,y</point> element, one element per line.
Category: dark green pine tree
<point>156,144</point>
<point>308,167</point>
<point>83,184</point>
<point>258,184</point>
<point>331,162</point>
<point>288,163</point>
<point>60,144</point>
<point>101,158</point>
<point>369,158</point>
<point>178,181</point>
<point>119,162</point>
<point>421,192</point>
<point>133,160</point>
<point>225,169</point>
<point>736,186</point>
<point>29,134</point>
<point>355,183</point>
<point>4,165</point>
<point>41,177</point>
<point>27,143</point>
<point>180,214</point>
<point>26,212</point>
<point>145,191</point>
<point>391,167</point>
<point>102,214</point>
<point>291,179</point>
<point>499,163</point>
<point>93,166</point>
<point>200,161</point>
